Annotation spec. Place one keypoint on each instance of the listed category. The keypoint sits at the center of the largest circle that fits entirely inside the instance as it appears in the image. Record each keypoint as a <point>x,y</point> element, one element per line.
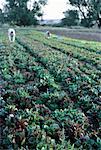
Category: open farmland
<point>83,33</point>
<point>50,93</point>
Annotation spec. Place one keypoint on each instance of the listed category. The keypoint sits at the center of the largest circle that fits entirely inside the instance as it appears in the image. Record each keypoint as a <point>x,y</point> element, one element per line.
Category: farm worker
<point>48,34</point>
<point>11,34</point>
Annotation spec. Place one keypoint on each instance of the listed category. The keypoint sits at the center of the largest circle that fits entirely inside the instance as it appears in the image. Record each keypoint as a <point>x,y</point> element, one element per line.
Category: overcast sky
<point>1,3</point>
<point>53,10</point>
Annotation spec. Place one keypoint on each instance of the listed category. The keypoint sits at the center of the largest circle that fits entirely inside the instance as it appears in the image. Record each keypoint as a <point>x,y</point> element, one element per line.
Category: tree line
<point>17,12</point>
<point>85,12</point>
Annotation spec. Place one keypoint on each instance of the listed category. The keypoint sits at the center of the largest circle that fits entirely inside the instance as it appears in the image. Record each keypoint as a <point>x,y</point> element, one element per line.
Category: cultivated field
<point>50,92</point>
<point>83,33</point>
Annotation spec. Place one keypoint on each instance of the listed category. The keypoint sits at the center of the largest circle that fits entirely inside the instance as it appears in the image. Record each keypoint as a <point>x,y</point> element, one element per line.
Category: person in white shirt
<point>48,34</point>
<point>11,34</point>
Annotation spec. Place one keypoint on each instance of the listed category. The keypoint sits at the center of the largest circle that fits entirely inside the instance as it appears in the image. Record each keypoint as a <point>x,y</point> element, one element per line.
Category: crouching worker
<point>11,35</point>
<point>48,34</point>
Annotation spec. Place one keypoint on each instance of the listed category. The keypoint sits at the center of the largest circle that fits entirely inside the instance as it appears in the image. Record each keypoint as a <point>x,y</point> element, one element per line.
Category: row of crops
<point>50,93</point>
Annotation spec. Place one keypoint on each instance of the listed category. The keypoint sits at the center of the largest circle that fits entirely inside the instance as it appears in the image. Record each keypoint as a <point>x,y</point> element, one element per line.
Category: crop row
<point>35,112</point>
<point>26,120</point>
<point>82,44</point>
<point>78,88</point>
<point>24,115</point>
<point>19,68</point>
<point>66,62</point>
<point>83,66</point>
<point>86,98</point>
<point>79,53</point>
<point>89,46</point>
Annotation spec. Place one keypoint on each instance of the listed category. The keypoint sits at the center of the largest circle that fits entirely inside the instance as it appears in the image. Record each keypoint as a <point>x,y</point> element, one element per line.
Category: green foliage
<point>90,11</point>
<point>6,74</point>
<point>71,18</point>
<point>18,77</point>
<point>48,98</point>
<point>19,13</point>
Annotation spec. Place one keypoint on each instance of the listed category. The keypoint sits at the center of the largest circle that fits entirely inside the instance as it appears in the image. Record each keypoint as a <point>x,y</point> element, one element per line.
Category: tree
<point>17,11</point>
<point>71,18</point>
<point>1,17</point>
<point>89,9</point>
